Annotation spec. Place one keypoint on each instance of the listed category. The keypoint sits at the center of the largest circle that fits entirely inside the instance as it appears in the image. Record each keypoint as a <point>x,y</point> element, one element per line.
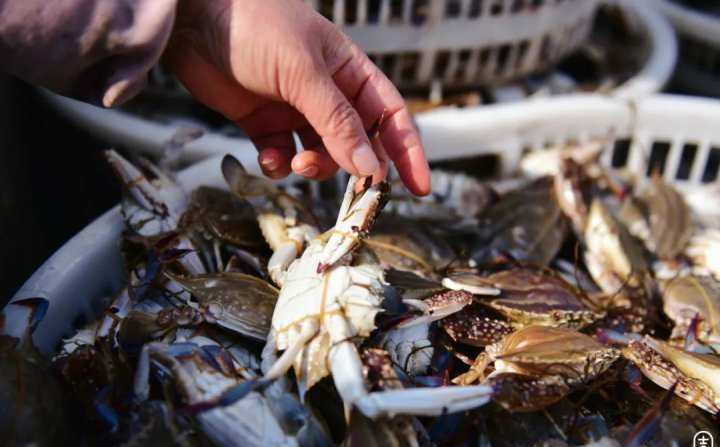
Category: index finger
<point>372,94</point>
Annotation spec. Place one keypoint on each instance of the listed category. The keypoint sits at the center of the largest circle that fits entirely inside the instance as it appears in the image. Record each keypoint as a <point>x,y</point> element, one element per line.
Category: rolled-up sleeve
<point>99,51</point>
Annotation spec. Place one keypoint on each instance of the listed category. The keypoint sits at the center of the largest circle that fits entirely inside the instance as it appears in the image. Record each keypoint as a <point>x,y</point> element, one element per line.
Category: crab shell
<point>250,421</point>
<point>688,297</point>
<point>704,250</point>
<point>697,375</point>
<point>540,351</point>
<point>344,300</point>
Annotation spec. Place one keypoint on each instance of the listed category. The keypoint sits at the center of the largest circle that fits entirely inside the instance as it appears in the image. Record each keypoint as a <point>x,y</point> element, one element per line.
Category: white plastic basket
<point>698,70</point>
<point>88,266</point>
<point>677,135</point>
<point>462,42</point>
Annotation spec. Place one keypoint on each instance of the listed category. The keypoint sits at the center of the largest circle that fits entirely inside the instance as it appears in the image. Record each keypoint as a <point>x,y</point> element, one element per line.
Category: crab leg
<point>166,354</point>
<point>437,307</point>
<point>147,195</point>
<point>161,204</point>
<point>354,218</point>
<point>308,330</point>
<point>424,401</point>
<point>346,367</point>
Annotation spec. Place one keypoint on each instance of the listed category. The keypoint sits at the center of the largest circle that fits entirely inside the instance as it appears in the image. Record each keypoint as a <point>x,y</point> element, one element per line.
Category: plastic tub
<point>88,266</point>
<point>698,70</point>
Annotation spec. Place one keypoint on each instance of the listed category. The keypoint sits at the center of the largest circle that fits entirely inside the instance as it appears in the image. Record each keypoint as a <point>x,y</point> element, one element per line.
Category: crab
<point>287,226</point>
<point>614,259</point>
<point>617,264</point>
<point>455,197</point>
<point>328,301</point>
<point>216,218</point>
<point>203,372</point>
<point>537,366</point>
<point>525,224</point>
<point>527,295</point>
<point>704,250</point>
<point>687,299</point>
<point>238,302</point>
<point>152,205</point>
<point>694,377</point>
<point>407,245</point>
<point>29,392</point>
<point>409,343</point>
<point>549,161</point>
<point>660,218</point>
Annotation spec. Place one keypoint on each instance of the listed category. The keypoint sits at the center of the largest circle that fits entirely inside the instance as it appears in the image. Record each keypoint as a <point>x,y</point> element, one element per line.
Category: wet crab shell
<point>534,296</point>
<point>475,326</point>
<point>519,392</point>
<point>538,350</point>
<point>689,297</point>
<point>697,376</point>
<point>239,302</point>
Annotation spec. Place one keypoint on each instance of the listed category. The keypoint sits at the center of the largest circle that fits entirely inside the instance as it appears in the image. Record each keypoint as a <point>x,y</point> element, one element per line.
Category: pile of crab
<point>571,305</point>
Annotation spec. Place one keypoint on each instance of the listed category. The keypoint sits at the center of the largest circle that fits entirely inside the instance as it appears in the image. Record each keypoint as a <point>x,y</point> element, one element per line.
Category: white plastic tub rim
<point>698,70</point>
<point>88,267</point>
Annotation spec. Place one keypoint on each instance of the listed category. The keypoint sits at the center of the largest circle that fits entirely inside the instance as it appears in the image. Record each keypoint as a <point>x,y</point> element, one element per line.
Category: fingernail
<point>269,163</point>
<point>310,171</point>
<point>365,160</point>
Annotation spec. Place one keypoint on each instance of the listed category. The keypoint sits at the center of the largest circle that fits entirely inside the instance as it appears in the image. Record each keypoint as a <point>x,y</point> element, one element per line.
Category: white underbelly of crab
<point>317,313</point>
<point>327,305</point>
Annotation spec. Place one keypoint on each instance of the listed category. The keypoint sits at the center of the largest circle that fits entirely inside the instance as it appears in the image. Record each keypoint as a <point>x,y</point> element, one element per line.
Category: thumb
<point>337,123</point>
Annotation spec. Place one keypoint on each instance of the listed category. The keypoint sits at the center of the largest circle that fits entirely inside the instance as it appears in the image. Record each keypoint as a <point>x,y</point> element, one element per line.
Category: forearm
<point>95,50</point>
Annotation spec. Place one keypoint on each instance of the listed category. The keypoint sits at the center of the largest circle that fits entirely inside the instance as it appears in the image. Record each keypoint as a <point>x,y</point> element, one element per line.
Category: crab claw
<point>357,214</point>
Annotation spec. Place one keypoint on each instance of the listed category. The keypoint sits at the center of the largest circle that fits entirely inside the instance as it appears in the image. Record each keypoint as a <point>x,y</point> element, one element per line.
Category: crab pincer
<point>356,216</point>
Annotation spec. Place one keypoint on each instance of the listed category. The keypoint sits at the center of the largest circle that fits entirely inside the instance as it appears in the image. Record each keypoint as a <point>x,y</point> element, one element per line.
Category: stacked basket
<point>698,70</point>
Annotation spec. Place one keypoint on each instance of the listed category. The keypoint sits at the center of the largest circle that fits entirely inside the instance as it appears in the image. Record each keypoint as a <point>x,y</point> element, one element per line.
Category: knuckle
<point>341,121</point>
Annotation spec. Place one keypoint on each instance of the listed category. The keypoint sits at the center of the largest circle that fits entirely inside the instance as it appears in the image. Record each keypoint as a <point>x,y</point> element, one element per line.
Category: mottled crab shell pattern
<point>532,296</point>
<point>475,326</point>
<point>697,375</point>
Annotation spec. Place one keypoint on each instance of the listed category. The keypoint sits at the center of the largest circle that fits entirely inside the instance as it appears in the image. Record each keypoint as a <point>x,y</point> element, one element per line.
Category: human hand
<point>277,66</point>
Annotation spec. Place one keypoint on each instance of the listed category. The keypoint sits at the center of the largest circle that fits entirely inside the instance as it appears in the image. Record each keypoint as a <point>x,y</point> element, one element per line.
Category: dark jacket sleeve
<point>99,51</point>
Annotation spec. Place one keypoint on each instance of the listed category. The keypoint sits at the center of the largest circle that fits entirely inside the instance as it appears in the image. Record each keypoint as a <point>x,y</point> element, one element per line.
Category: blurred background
<point>53,182</point>
<point>440,53</point>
